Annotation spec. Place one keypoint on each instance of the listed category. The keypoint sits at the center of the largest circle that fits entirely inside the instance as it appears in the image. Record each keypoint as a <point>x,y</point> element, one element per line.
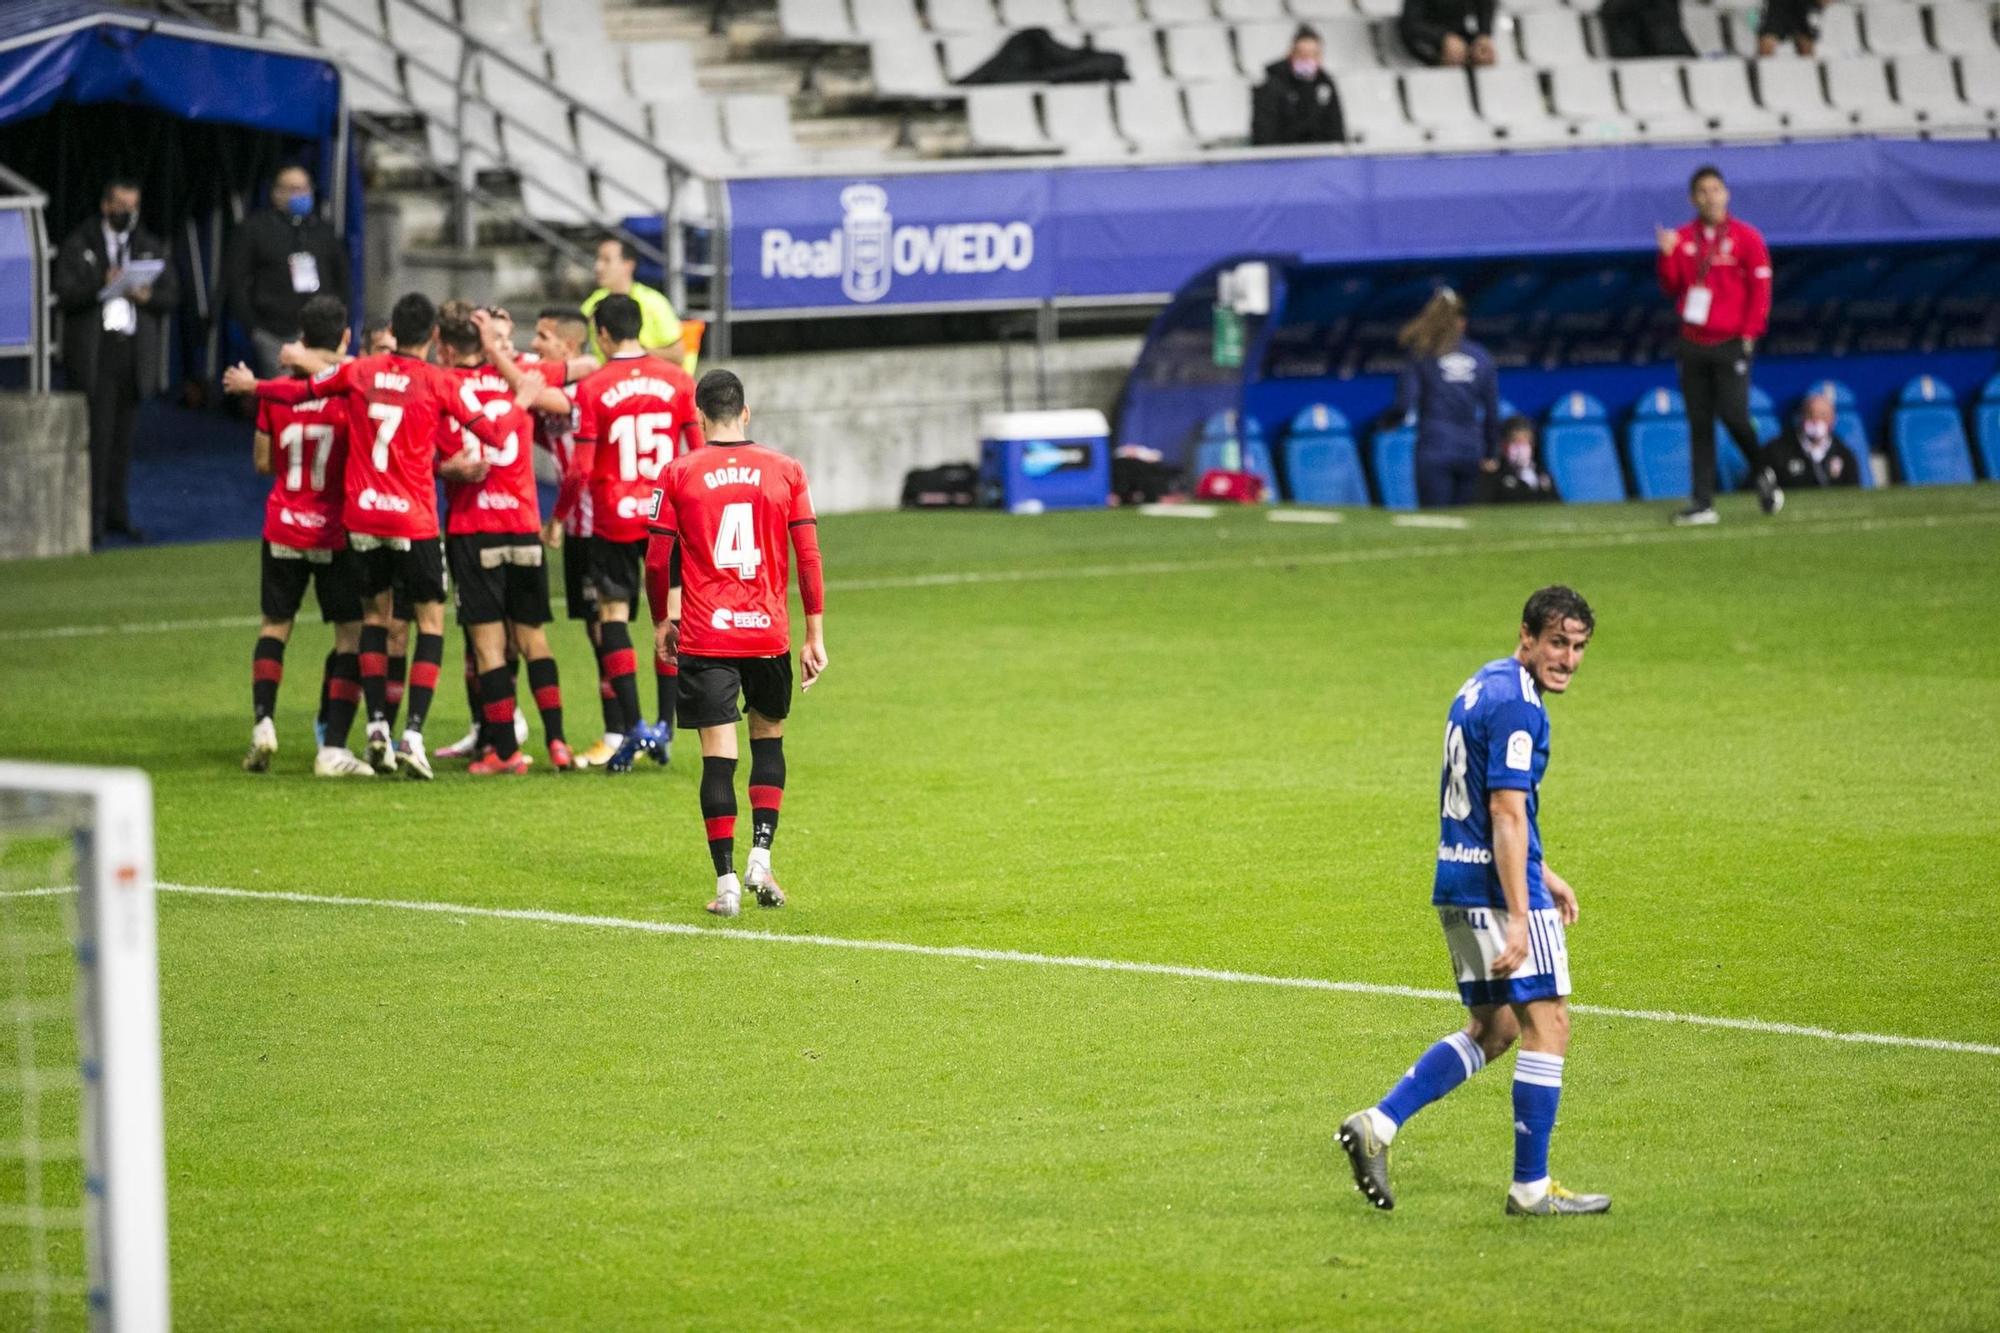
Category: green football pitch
<point>1046,745</point>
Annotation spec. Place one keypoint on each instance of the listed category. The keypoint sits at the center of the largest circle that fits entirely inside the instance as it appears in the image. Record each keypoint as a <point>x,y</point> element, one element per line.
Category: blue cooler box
<point>1031,461</point>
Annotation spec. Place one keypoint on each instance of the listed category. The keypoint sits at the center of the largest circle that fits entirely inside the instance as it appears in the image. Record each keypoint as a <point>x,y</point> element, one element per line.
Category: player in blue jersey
<point>1503,911</point>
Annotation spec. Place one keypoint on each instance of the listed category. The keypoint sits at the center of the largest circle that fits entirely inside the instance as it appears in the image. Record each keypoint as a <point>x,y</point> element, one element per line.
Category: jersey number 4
<point>736,542</point>
<point>292,439</point>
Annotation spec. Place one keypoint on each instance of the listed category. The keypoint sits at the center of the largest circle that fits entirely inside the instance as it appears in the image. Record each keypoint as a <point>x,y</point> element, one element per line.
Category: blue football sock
<point>1538,1086</point>
<point>1439,1070</point>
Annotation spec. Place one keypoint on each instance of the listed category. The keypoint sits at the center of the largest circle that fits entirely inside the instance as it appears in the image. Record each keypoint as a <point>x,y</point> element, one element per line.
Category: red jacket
<point>1734,264</point>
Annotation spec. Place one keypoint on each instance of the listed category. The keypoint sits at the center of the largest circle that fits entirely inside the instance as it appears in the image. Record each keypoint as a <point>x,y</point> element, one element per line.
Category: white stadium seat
<point>1552,38</point>
<point>1894,28</point>
<point>1510,96</point>
<point>629,178</point>
<point>1106,13</point>
<point>1962,27</point>
<point>1139,45</point>
<point>436,97</point>
<point>1583,96</point>
<point>962,16</point>
<point>1839,31</point>
<point>1258,44</point>
<point>1219,113</point>
<point>875,19</point>
<point>1859,85</point>
<point>1792,89</point>
<point>815,21</point>
<point>352,31</point>
<point>422,38</point>
<point>555,185</point>
<point>519,96</point>
<point>1463,134</point>
<point>758,128</point>
<point>1651,90</point>
<point>1379,9</point>
<point>658,71</point>
<point>1720,90</point>
<point>1979,76</point>
<point>1703,25</point>
<point>1347,41</point>
<point>1002,119</point>
<point>1316,11</point>
<point>690,127</point>
<point>1198,55</point>
<point>1252,11</point>
<point>283,21</point>
<point>1396,136</point>
<point>1371,101</point>
<point>1164,12</point>
<point>1150,115</point>
<point>1927,84</point>
<point>906,65</point>
<point>1078,116</point>
<point>1741,25</point>
<point>1439,98</point>
<point>966,51</point>
<point>1034,14</point>
<point>560,20</point>
<point>504,23</point>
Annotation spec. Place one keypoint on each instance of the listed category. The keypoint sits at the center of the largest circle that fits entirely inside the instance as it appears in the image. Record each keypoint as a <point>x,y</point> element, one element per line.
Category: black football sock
<point>718,811</point>
<point>424,679</point>
<point>267,669</point>
<point>767,789</point>
<point>622,666</point>
<point>393,691</point>
<point>374,660</point>
<point>496,697</point>
<point>326,685</point>
<point>473,697</point>
<point>547,686</point>
<point>343,692</point>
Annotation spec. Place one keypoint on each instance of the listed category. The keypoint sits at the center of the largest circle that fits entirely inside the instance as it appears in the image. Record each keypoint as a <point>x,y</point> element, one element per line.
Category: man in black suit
<point>1809,453</point>
<point>113,333</point>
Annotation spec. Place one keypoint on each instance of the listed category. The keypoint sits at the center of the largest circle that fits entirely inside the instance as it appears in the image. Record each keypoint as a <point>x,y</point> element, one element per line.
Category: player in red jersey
<point>397,406</point>
<point>730,509</point>
<point>305,543</point>
<point>494,546</point>
<point>633,415</point>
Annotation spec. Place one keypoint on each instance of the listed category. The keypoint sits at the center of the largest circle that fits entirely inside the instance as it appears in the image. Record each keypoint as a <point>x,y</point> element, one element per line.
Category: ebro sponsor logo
<point>1454,853</point>
<point>381,501</point>
<point>488,500</point>
<point>869,249</point>
<point>724,618</point>
<point>299,518</point>
<point>631,506</point>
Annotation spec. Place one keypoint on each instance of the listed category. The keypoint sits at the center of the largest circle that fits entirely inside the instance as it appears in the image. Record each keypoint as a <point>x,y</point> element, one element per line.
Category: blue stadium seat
<point>1986,428</point>
<point>1656,446</point>
<point>1394,453</point>
<point>1580,453</point>
<point>1223,446</point>
<point>1927,436</point>
<point>1322,465</point>
<point>1847,424</point>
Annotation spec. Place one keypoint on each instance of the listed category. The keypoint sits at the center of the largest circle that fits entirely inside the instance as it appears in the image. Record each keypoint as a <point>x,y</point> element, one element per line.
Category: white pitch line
<point>544,917</point>
<point>1429,521</point>
<point>1588,539</point>
<point>1306,516</point>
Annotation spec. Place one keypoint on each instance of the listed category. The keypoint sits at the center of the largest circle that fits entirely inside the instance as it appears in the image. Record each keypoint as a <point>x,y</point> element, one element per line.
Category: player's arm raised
<point>496,335</point>
<point>1509,810</point>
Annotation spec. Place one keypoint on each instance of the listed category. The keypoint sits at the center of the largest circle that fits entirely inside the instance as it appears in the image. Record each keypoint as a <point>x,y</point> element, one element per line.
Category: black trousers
<point>114,403</point>
<point>1444,483</point>
<point>1715,382</point>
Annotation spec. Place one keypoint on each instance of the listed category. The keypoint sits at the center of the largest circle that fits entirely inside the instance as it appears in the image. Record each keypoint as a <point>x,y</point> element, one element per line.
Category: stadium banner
<point>1024,235</point>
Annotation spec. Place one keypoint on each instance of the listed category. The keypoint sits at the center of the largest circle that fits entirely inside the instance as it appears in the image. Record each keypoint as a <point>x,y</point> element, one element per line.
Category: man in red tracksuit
<point>1718,272</point>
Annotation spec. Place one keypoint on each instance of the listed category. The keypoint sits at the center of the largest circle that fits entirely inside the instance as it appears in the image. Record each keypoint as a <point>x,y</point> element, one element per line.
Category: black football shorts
<point>711,686</point>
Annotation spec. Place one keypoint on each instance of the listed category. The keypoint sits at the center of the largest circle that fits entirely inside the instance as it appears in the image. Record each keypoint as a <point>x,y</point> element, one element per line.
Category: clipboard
<point>137,273</point>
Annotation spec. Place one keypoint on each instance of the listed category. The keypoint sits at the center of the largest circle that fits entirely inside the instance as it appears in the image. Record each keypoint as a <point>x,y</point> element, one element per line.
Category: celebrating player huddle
<point>356,448</point>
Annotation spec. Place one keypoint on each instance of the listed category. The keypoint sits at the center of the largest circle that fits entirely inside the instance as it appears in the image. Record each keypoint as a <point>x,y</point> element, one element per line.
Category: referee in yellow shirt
<point>616,269</point>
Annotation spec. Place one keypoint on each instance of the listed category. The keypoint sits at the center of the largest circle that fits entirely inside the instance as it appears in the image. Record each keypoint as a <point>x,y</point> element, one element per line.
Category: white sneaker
<point>411,751</point>
<point>728,897</point>
<point>379,755</point>
<point>334,762</point>
<point>465,747</point>
<point>757,878</point>
<point>263,744</point>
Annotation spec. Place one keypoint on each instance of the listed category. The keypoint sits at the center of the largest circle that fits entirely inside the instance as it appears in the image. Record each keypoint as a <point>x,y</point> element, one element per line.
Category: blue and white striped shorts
<point>1477,935</point>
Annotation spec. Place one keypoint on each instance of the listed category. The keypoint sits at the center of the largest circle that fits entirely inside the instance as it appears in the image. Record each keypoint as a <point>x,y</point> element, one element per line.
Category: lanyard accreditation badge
<point>1695,305</point>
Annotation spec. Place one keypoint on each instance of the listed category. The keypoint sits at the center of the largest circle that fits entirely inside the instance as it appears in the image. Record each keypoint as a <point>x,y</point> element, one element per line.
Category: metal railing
<point>20,196</point>
<point>672,254</point>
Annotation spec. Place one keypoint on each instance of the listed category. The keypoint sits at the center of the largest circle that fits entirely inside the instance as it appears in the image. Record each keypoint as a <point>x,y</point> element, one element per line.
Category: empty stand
<point>1720,90</point>
<point>1219,114</point>
<point>1078,116</point>
<point>1657,448</point>
<point>1859,85</point>
<point>1652,91</point>
<point>758,129</point>
<point>1151,117</point>
<point>1322,466</point>
<point>1792,89</point>
<point>1003,120</point>
<point>1583,95</point>
<point>1927,437</point>
<point>1580,453</point>
<point>1393,453</point>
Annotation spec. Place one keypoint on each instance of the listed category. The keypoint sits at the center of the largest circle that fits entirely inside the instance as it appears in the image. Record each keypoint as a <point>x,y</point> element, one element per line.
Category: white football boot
<point>728,897</point>
<point>465,747</point>
<point>757,878</point>
<point>263,744</point>
<point>380,753</point>
<point>334,762</point>
<point>410,751</point>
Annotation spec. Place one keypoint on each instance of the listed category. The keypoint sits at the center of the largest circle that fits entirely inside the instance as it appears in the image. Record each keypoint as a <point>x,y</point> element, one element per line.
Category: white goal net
<point>83,1216</point>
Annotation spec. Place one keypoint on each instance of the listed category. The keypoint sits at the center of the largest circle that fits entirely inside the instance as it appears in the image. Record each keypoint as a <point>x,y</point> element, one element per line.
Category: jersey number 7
<point>736,542</point>
<point>389,417</point>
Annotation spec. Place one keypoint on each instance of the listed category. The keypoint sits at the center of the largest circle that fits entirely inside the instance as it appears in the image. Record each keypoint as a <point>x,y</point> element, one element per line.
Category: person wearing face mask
<point>114,330</point>
<point>1296,103</point>
<point>1809,453</point>
<point>280,258</point>
<point>1517,477</point>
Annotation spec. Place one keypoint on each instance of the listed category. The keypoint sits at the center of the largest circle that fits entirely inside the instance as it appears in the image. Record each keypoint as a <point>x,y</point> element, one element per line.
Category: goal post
<point>104,816</point>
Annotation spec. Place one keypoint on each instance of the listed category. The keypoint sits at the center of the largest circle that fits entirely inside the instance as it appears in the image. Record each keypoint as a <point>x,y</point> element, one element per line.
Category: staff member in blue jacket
<point>1453,388</point>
